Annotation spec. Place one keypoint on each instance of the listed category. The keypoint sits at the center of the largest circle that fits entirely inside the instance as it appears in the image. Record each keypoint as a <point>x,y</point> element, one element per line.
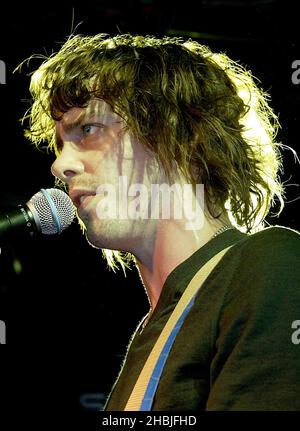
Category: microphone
<point>48,212</point>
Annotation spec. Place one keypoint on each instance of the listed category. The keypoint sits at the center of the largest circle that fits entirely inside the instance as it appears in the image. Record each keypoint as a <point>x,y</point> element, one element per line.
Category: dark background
<point>68,318</point>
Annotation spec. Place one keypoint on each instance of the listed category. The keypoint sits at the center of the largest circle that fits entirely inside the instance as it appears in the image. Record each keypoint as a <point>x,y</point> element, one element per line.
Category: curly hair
<point>182,101</point>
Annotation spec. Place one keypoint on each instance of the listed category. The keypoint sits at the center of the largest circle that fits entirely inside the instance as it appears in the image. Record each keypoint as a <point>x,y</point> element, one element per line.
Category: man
<point>169,154</point>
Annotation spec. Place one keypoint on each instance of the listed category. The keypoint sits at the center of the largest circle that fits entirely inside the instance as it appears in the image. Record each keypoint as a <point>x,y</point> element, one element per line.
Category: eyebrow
<point>69,127</point>
<point>74,124</point>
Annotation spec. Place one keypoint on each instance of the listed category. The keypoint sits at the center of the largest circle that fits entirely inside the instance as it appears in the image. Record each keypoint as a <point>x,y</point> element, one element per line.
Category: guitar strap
<point>142,395</point>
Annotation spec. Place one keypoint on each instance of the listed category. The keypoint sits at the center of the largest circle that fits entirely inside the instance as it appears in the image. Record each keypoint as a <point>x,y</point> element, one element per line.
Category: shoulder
<point>265,265</point>
<point>270,247</point>
<point>276,236</point>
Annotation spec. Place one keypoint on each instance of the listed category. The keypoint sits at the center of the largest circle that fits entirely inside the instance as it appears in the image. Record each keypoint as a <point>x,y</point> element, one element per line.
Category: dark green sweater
<point>235,349</point>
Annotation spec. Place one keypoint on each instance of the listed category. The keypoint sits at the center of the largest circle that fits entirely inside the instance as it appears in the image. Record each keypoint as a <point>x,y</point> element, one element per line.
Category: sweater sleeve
<point>256,363</point>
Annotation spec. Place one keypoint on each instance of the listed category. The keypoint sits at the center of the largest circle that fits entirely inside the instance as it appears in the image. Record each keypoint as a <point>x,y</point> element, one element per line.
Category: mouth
<point>80,197</point>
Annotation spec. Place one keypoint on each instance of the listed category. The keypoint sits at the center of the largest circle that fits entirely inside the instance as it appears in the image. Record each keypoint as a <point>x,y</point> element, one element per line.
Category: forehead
<point>95,108</point>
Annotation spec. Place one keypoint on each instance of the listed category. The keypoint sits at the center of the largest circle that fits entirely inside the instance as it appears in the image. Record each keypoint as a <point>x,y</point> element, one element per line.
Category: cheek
<point>93,161</point>
<point>108,167</point>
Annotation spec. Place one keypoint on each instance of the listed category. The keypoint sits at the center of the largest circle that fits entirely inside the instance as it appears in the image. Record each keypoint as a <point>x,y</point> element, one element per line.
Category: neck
<point>171,245</point>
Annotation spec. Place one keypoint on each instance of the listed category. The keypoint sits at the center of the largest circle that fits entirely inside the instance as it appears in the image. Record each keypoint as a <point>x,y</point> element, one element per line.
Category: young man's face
<point>94,150</point>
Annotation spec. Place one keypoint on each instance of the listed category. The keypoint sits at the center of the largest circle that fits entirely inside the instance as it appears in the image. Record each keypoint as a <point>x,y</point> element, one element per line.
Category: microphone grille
<point>52,209</point>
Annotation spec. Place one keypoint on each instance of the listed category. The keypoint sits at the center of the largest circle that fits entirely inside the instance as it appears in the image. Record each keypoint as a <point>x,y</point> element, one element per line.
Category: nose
<point>67,165</point>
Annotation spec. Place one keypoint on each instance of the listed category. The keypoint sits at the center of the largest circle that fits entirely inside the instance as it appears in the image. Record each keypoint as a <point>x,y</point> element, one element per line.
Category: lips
<point>79,196</point>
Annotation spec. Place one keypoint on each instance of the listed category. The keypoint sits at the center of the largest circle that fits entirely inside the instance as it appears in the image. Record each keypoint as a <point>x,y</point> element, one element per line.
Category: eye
<point>90,129</point>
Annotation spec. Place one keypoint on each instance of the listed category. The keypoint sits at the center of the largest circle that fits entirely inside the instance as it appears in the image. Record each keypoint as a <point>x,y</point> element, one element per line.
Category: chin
<point>95,240</point>
<point>91,242</point>
<point>109,235</point>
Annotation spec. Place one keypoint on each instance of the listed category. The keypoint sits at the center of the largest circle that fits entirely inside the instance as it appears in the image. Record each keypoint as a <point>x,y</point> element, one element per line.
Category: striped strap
<point>137,395</point>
